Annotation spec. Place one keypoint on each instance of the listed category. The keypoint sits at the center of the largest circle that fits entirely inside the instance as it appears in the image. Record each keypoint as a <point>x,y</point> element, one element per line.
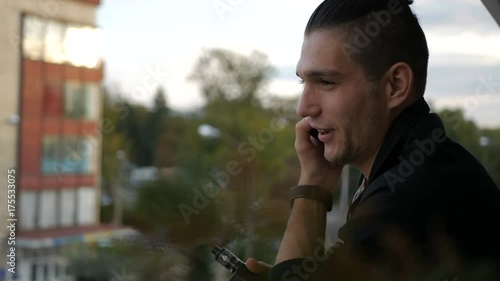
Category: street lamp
<point>485,142</point>
<point>118,185</point>
<point>209,131</point>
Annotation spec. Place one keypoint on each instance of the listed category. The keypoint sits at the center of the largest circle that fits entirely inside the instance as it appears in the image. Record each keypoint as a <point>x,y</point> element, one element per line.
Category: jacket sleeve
<point>351,259</point>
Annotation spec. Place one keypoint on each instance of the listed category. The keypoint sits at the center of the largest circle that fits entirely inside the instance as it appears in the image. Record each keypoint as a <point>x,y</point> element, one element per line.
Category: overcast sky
<point>166,37</point>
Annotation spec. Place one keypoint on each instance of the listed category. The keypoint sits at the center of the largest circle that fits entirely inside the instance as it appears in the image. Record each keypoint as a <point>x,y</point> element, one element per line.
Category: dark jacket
<point>430,211</point>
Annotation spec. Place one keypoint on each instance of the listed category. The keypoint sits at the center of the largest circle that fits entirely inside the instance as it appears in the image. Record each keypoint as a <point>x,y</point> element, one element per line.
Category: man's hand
<point>257,267</point>
<point>315,169</point>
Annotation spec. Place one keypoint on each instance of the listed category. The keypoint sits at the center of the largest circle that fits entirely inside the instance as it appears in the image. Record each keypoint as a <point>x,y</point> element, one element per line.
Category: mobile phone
<point>235,265</point>
<point>314,133</point>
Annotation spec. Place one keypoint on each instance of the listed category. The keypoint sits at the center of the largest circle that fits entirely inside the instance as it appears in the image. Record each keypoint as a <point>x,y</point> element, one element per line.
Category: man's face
<point>348,109</point>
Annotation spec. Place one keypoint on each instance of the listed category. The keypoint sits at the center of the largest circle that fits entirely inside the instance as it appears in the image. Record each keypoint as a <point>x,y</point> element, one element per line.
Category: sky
<point>154,43</point>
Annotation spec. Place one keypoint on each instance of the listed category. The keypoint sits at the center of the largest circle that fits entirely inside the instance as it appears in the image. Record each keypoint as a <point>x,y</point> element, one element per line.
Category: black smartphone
<point>235,265</point>
<point>314,133</point>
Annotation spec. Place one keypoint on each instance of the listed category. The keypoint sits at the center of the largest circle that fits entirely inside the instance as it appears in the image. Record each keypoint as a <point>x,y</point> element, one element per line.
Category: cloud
<point>465,46</point>
<point>285,88</point>
<point>453,17</point>
<point>460,80</point>
<point>463,39</point>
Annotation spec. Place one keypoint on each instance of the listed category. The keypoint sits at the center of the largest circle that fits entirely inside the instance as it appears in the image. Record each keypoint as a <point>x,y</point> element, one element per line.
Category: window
<point>94,97</point>
<point>83,45</point>
<point>69,156</point>
<point>33,272</point>
<point>77,155</point>
<point>46,272</point>
<point>59,42</point>
<point>75,101</point>
<point>56,270</point>
<point>33,37</point>
<point>86,214</point>
<point>81,101</point>
<point>52,155</point>
<point>53,43</point>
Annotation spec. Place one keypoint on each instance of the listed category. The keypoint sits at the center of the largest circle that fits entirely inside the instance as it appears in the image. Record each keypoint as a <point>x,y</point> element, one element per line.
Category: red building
<point>52,71</point>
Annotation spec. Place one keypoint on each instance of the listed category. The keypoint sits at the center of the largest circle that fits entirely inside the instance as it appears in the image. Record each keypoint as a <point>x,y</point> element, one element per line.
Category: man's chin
<point>334,157</point>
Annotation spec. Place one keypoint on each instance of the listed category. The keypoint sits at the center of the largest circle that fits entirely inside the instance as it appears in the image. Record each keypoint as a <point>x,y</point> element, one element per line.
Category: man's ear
<point>399,84</point>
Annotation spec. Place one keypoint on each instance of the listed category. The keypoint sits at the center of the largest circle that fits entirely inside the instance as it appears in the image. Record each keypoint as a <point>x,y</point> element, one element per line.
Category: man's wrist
<point>313,192</point>
<point>318,181</point>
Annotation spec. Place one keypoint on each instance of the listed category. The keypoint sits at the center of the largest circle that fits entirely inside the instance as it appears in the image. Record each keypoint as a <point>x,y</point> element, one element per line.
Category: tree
<point>468,134</point>
<point>461,129</point>
<point>154,125</point>
<point>114,140</point>
<point>168,152</point>
<point>143,128</point>
<point>244,164</point>
<point>226,75</point>
<point>490,151</point>
<point>133,260</point>
<point>132,127</point>
<point>250,133</point>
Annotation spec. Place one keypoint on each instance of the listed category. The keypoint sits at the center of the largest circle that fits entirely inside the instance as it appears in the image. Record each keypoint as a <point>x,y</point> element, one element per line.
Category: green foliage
<point>257,136</point>
<point>489,153</point>
<point>461,130</point>
<point>468,134</point>
<point>225,75</point>
<point>143,127</point>
<point>126,262</point>
<point>199,268</point>
<point>256,133</point>
<point>158,207</point>
<point>155,123</point>
<point>113,139</point>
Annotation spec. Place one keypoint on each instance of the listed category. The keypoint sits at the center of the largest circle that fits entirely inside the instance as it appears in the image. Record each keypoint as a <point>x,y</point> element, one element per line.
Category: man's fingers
<point>303,127</point>
<point>257,267</point>
<point>302,138</point>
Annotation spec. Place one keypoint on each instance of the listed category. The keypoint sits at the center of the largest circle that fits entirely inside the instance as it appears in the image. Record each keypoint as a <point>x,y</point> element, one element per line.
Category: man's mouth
<point>324,132</point>
<point>325,135</point>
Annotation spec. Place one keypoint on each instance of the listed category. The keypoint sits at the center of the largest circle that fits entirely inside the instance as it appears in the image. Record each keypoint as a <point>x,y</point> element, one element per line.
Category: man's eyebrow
<point>320,73</point>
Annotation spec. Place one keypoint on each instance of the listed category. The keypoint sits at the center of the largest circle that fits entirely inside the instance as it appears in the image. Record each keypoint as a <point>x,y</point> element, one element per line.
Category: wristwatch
<point>313,192</point>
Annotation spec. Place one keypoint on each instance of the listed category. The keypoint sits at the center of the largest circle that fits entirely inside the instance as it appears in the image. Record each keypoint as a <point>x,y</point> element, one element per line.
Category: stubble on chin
<point>343,154</point>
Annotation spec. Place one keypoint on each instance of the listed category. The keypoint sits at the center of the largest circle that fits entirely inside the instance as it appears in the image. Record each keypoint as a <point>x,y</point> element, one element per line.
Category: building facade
<point>50,119</point>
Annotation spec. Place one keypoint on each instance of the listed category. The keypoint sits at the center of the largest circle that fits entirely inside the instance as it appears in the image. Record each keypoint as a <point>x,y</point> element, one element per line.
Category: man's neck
<point>366,166</point>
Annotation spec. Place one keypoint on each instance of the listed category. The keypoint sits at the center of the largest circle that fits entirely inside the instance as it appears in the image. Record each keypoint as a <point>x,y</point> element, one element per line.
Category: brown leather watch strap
<point>313,192</point>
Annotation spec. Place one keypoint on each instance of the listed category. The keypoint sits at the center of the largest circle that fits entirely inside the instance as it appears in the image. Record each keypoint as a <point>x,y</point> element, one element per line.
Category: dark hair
<point>398,37</point>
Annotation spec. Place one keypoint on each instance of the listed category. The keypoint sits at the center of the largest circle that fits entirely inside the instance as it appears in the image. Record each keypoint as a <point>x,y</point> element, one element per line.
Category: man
<point>426,209</point>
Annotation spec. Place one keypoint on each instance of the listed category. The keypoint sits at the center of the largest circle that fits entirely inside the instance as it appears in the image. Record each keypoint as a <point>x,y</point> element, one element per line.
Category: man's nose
<point>309,104</point>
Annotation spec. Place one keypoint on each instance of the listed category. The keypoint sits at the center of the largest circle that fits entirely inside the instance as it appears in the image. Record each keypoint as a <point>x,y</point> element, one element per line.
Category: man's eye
<point>326,82</point>
<point>301,81</point>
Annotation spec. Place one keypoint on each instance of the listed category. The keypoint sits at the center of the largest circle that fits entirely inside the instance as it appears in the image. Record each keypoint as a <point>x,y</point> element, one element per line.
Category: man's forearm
<point>307,223</point>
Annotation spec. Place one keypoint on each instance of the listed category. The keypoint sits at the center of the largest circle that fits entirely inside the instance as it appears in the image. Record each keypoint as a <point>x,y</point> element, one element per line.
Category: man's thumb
<point>257,267</point>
